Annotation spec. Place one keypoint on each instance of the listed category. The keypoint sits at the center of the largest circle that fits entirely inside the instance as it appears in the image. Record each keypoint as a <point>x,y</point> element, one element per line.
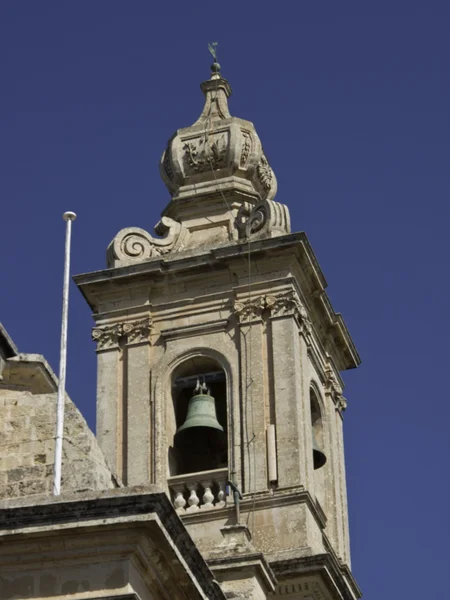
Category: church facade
<point>219,402</point>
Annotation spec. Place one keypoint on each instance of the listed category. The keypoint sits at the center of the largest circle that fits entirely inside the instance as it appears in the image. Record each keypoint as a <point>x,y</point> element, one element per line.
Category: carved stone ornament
<point>251,308</point>
<point>134,245</point>
<point>288,303</point>
<point>217,150</point>
<point>108,336</point>
<point>334,388</point>
<point>341,403</point>
<point>205,153</point>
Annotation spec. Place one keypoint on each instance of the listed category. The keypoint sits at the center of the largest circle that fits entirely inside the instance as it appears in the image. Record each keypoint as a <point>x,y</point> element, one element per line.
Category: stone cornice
<point>334,574</point>
<point>260,501</point>
<point>78,509</point>
<point>336,334</point>
<point>108,336</point>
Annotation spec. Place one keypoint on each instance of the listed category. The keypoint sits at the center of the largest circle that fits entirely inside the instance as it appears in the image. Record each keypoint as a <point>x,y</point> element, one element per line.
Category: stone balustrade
<point>192,492</point>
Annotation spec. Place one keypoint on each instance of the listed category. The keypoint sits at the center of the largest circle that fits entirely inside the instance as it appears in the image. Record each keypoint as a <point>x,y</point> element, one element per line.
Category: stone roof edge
<point>338,575</point>
<point>78,507</point>
<point>7,344</point>
<point>39,361</point>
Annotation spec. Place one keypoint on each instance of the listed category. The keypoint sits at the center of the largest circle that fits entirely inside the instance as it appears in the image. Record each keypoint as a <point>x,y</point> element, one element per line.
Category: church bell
<point>201,420</point>
<point>319,457</point>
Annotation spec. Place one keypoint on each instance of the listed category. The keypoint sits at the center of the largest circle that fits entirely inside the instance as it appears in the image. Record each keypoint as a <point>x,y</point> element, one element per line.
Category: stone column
<point>138,428</point>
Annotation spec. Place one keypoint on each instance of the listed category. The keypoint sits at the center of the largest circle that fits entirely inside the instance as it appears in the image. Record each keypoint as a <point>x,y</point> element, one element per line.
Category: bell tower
<point>219,361</point>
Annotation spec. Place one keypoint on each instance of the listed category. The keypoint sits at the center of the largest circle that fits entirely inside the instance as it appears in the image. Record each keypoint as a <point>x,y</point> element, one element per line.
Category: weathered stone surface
<point>27,432</point>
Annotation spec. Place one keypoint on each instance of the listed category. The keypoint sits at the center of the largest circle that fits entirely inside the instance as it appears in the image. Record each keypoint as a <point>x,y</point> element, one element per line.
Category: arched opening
<point>319,456</point>
<point>198,446</point>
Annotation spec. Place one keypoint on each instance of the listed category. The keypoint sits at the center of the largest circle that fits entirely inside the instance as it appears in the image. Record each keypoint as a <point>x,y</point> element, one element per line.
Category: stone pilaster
<point>287,388</point>
<point>138,402</point>
<point>109,394</point>
<point>249,314</point>
<point>123,396</point>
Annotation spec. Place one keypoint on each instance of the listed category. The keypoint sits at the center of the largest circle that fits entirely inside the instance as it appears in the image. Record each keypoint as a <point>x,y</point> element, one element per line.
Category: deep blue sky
<point>351,101</point>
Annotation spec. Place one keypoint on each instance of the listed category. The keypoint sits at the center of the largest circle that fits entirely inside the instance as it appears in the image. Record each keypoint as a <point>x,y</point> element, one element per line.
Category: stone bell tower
<point>229,303</point>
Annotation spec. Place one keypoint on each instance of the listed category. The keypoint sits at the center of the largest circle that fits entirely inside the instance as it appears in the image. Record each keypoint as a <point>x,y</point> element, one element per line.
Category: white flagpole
<point>68,217</point>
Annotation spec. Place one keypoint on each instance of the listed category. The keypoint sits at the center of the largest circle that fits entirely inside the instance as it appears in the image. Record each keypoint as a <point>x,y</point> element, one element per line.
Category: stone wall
<point>27,430</point>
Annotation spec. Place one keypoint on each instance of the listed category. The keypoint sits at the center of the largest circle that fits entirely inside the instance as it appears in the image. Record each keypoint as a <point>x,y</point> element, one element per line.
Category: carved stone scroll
<point>268,218</point>
<point>134,332</point>
<point>133,245</point>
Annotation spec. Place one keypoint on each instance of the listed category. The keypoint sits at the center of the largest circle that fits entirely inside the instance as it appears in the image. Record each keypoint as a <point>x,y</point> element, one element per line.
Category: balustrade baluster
<point>193,500</point>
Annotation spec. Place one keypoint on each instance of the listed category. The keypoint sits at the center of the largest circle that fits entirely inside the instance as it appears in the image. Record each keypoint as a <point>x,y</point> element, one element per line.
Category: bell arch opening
<point>319,457</point>
<point>199,439</point>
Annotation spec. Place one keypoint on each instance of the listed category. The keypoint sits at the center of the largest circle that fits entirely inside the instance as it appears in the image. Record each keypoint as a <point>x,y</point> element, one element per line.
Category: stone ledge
<point>19,516</point>
<point>332,573</point>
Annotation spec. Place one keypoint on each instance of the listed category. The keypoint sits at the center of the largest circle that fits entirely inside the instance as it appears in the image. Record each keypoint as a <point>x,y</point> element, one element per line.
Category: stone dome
<point>217,149</point>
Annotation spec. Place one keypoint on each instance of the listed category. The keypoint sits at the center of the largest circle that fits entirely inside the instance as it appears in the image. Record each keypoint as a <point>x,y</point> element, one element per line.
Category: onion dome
<point>217,152</point>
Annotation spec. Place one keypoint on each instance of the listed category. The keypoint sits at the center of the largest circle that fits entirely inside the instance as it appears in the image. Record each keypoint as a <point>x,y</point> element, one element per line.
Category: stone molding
<point>108,337</point>
<point>326,566</point>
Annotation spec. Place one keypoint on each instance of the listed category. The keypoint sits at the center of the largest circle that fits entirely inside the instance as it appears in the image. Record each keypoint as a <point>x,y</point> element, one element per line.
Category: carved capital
<point>332,385</point>
<point>283,304</point>
<point>251,308</point>
<point>288,303</point>
<point>334,389</point>
<point>341,403</point>
<point>137,331</point>
<point>108,337</point>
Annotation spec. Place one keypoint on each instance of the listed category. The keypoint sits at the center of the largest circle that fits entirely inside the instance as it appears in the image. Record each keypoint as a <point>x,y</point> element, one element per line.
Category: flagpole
<point>68,217</point>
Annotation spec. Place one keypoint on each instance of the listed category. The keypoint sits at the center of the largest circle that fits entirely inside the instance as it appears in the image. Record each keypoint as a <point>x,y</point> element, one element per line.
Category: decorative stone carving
<point>133,245</point>
<point>265,173</point>
<point>246,148</point>
<point>137,331</point>
<point>334,389</point>
<point>288,303</point>
<point>216,141</point>
<point>251,308</point>
<point>341,403</point>
<point>206,153</point>
<point>267,218</point>
<point>109,336</point>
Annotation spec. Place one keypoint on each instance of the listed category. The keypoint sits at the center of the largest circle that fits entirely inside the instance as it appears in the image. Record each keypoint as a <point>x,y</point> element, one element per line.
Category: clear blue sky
<point>351,100</point>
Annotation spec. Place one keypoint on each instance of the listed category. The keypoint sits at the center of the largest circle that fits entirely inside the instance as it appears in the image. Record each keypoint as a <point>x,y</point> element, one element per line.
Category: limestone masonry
<point>217,470</point>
